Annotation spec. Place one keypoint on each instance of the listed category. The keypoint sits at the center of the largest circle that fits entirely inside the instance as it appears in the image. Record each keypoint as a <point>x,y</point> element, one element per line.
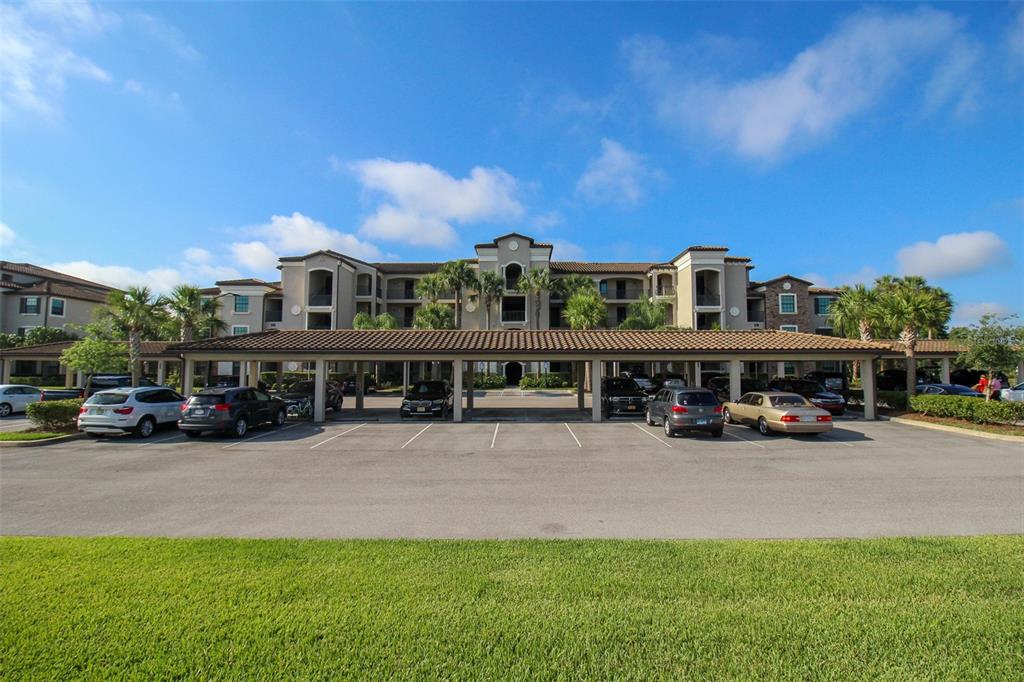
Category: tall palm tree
<point>911,310</point>
<point>188,310</point>
<point>430,287</point>
<point>134,314</point>
<point>586,309</point>
<point>457,275</point>
<point>535,282</point>
<point>434,316</point>
<point>570,284</point>
<point>645,315</point>
<point>490,285</point>
<point>855,313</point>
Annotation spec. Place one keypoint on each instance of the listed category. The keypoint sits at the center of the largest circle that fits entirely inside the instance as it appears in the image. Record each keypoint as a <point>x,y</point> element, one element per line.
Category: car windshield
<point>107,399</point>
<point>787,400</point>
<point>207,399</point>
<point>622,385</point>
<point>426,387</point>
<point>698,398</point>
<point>301,387</point>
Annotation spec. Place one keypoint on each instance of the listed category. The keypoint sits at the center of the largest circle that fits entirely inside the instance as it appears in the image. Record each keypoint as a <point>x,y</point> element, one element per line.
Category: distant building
<point>31,296</point>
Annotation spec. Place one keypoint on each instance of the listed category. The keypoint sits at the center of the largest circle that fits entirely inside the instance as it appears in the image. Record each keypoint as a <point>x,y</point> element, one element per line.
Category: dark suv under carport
<point>232,410</point>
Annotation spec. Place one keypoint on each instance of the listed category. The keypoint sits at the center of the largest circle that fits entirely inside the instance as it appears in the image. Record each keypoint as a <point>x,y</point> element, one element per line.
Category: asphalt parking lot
<point>516,479</point>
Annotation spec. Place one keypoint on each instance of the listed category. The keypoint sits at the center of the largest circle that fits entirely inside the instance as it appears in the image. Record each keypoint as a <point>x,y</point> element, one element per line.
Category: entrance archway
<point>513,373</point>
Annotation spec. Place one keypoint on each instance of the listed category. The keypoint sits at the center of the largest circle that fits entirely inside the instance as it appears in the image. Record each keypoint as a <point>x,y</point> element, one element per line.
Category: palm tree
<point>430,287</point>
<point>385,321</point>
<point>585,309</point>
<point>363,320</point>
<point>855,312</point>
<point>134,314</point>
<point>491,287</point>
<point>457,275</point>
<point>912,309</point>
<point>570,284</point>
<point>535,282</point>
<point>434,316</point>
<point>188,310</point>
<point>645,315</point>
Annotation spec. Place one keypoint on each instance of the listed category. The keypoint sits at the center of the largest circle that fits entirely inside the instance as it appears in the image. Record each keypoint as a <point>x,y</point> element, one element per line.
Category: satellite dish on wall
<point>296,309</point>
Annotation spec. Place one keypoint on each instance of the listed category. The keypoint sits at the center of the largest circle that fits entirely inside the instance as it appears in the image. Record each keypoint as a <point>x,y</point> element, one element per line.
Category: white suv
<point>135,410</point>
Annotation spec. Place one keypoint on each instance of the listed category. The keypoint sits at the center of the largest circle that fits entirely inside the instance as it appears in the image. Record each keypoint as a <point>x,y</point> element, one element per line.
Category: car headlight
<point>405,403</point>
<point>436,403</point>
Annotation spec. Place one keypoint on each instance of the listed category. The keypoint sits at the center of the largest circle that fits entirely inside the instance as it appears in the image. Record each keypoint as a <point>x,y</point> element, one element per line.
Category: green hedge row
<point>48,380</point>
<point>548,380</point>
<point>54,415</point>
<point>972,409</point>
<point>896,400</point>
<point>488,380</point>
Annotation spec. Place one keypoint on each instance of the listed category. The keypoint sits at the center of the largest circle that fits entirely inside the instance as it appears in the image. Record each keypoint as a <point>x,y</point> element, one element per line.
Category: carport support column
<point>279,378</point>
<point>187,366</point>
<point>457,390</point>
<point>320,392</point>
<point>735,387</point>
<point>69,377</point>
<point>470,380</point>
<point>161,371</point>
<point>944,372</point>
<point>360,384</point>
<point>405,379</point>
<point>8,363</point>
<point>80,378</point>
<point>581,389</point>
<point>867,382</point>
<point>596,372</point>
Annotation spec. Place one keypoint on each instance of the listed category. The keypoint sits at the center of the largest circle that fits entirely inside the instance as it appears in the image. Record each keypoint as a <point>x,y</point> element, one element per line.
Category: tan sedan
<point>777,412</point>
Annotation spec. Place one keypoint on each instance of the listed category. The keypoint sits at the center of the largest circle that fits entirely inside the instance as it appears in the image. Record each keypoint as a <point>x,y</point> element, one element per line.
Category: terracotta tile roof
<point>477,343</point>
<point>66,291</point>
<point>46,273</point>
<point>736,259</point>
<point>149,349</point>
<point>247,281</point>
<point>6,284</point>
<point>779,279</point>
<point>929,346</point>
<point>529,239</point>
<point>571,266</point>
<point>408,268</point>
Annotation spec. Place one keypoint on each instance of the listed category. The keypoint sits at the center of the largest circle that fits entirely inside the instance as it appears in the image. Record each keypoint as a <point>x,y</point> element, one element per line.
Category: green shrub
<point>548,380</point>
<point>896,400</point>
<point>972,409</point>
<point>489,380</point>
<point>54,415</point>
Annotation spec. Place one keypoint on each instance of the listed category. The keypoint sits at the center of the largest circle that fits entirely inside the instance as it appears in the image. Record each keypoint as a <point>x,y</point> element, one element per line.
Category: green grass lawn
<point>158,609</point>
<point>30,435</point>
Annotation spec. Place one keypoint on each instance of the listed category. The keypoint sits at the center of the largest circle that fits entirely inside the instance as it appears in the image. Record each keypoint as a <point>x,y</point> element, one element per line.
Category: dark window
<point>107,399</point>
<point>698,398</point>
<point>260,395</point>
<point>29,305</point>
<point>57,307</point>
<point>208,399</point>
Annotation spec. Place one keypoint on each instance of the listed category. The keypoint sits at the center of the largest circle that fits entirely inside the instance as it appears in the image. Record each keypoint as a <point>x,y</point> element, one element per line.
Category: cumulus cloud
<point>194,267</point>
<point>296,234</point>
<point>961,253</point>
<point>825,85</point>
<point>7,236</point>
<point>616,176</point>
<point>424,201</point>
<point>969,313</point>
<point>566,250</point>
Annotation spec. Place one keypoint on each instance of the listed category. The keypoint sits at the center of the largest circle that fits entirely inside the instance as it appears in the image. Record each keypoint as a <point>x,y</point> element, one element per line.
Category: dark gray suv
<point>232,410</point>
<point>686,409</point>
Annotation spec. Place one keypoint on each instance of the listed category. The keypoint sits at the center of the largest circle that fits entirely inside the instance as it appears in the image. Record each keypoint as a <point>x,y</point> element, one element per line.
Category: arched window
<point>513,271</point>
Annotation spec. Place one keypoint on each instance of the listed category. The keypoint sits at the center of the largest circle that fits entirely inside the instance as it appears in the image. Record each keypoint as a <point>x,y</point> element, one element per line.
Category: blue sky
<point>158,143</point>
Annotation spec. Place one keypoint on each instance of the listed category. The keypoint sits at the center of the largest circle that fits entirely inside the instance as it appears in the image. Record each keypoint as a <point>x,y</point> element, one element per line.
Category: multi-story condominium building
<point>704,287</point>
<point>31,296</point>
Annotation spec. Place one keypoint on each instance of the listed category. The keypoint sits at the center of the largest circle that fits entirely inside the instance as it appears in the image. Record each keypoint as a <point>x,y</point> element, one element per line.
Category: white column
<point>735,387</point>
<point>187,365</point>
<point>1020,371</point>
<point>320,392</point>
<point>696,375</point>
<point>8,363</point>
<point>457,389</point>
<point>80,378</point>
<point>780,369</point>
<point>161,371</point>
<point>867,381</point>
<point>596,372</point>
<point>581,388</point>
<point>470,378</point>
<point>405,379</point>
<point>360,384</point>
<point>242,379</point>
<point>615,368</point>
<point>944,372</point>
<point>69,377</point>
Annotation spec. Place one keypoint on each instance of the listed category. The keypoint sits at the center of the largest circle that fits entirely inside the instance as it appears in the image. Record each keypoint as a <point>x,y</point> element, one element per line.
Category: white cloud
<point>198,255</point>
<point>954,254</point>
<point>194,268</point>
<point>7,236</point>
<point>296,234</point>
<point>969,313</point>
<point>824,86</point>
<point>133,86</point>
<point>424,201</point>
<point>170,36</point>
<point>542,221</point>
<point>616,176</point>
<point>566,250</point>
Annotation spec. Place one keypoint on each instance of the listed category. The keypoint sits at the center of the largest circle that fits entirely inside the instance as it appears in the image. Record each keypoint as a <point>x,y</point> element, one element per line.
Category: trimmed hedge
<point>972,409</point>
<point>896,400</point>
<point>488,380</point>
<point>548,380</point>
<point>54,415</point>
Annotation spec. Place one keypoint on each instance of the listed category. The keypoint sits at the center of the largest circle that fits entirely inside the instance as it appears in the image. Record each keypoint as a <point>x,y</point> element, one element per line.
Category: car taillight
<point>83,409</point>
<point>184,406</point>
<point>124,410</point>
<point>790,418</point>
<point>222,407</point>
<point>718,410</point>
<point>824,417</point>
<point>679,408</point>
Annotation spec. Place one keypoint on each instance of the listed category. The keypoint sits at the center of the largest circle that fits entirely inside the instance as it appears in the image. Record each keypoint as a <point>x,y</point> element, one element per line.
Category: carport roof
<point>478,343</point>
<point>150,350</point>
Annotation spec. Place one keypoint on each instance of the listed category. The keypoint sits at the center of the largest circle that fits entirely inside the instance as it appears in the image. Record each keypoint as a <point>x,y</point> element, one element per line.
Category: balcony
<point>709,300</point>
<point>363,291</point>
<point>320,300</point>
<point>755,316</point>
<point>627,294</point>
<point>665,290</point>
<point>513,316</point>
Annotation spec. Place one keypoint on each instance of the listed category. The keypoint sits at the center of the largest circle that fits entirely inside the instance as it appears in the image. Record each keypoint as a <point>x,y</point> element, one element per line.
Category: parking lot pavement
<point>15,422</point>
<point>513,479</point>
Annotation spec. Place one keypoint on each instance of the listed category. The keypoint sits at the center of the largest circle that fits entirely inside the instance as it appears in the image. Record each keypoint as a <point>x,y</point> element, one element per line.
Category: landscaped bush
<point>489,380</point>
<point>549,380</point>
<point>54,415</point>
<point>48,380</point>
<point>972,409</point>
<point>896,400</point>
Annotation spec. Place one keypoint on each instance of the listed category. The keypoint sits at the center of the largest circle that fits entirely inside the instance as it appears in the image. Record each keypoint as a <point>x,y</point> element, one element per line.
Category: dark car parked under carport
<point>232,410</point>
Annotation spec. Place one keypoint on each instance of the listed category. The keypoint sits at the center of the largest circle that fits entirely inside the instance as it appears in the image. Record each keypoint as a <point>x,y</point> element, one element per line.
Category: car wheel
<point>727,416</point>
<point>240,428</point>
<point>717,434</point>
<point>193,434</point>
<point>145,427</point>
<point>650,419</point>
<point>5,410</point>
<point>280,418</point>
<point>668,428</point>
<point>762,426</point>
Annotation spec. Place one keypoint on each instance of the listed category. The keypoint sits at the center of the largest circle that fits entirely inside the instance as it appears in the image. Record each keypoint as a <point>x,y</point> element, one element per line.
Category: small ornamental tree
<point>92,356</point>
<point>995,344</point>
<point>38,335</point>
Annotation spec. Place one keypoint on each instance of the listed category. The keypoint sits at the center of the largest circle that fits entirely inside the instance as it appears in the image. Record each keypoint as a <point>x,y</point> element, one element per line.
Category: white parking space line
<point>179,434</point>
<point>337,435</point>
<point>836,440</point>
<point>574,436</point>
<point>495,436</point>
<point>643,430</point>
<point>745,440</point>
<point>416,436</point>
<point>263,435</point>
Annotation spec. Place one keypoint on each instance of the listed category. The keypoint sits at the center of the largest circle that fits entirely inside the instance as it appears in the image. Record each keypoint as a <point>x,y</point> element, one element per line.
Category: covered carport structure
<point>463,348</point>
<point>154,353</point>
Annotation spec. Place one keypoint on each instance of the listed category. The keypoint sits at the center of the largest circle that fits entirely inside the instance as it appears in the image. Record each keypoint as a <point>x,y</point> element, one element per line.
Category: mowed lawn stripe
<point>271,609</point>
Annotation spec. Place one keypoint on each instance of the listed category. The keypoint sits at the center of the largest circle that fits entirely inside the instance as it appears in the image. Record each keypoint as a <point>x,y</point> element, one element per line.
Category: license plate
<point>630,407</point>
<point>701,421</point>
<point>421,409</point>
<point>197,411</point>
<point>100,410</point>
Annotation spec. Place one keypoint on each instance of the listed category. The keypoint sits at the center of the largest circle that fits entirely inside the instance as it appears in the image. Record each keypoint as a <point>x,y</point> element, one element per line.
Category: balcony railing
<point>321,300</point>
<point>513,316</point>
<point>401,292</point>
<point>665,290</point>
<point>709,300</point>
<point>624,294</point>
<point>362,291</point>
<point>755,316</point>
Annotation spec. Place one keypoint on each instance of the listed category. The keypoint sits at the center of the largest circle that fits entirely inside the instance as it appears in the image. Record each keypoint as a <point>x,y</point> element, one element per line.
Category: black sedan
<point>948,389</point>
<point>428,399</point>
<point>622,396</point>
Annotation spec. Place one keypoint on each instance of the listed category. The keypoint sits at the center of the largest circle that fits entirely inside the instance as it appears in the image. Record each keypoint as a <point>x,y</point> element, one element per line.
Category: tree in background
<point>188,312</point>
<point>36,336</point>
<point>570,284</point>
<point>366,321</point>
<point>995,344</point>
<point>645,315</point>
<point>856,314</point>
<point>430,287</point>
<point>457,276</point>
<point>434,316</point>
<point>490,286</point>
<point>95,355</point>
<point>385,321</point>
<point>912,309</point>
<point>585,309</point>
<point>134,315</point>
<point>535,282</point>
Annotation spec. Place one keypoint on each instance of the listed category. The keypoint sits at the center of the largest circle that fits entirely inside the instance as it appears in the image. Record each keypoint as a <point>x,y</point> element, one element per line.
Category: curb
<point>956,429</point>
<point>43,441</point>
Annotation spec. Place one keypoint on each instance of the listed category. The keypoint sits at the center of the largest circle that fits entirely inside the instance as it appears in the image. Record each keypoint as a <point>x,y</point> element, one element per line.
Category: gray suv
<point>686,409</point>
<point>230,410</point>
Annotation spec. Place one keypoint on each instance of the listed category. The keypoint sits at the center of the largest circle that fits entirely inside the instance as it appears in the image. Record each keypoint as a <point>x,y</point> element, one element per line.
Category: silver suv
<point>686,409</point>
<point>130,410</point>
